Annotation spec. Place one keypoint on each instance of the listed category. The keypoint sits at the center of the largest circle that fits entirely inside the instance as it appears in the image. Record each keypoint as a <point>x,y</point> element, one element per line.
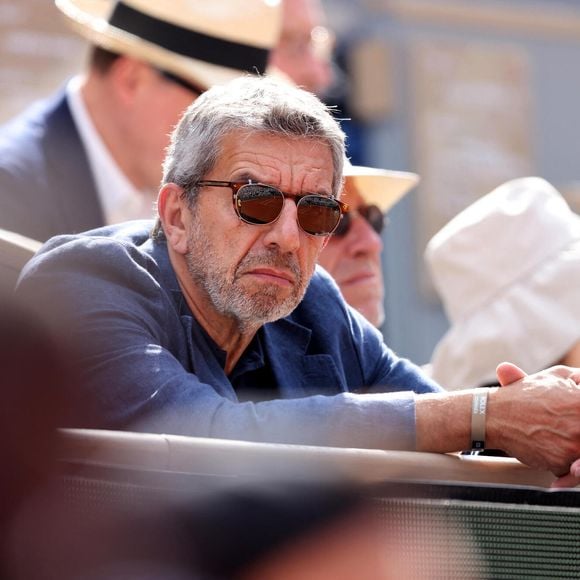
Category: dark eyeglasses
<point>188,85</point>
<point>260,204</point>
<point>371,213</point>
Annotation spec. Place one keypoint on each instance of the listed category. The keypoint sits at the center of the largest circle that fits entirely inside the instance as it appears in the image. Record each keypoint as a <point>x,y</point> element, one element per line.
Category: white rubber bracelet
<point>478,409</point>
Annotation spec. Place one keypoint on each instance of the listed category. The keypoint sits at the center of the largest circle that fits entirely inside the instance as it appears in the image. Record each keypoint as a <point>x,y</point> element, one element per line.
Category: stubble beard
<point>250,308</point>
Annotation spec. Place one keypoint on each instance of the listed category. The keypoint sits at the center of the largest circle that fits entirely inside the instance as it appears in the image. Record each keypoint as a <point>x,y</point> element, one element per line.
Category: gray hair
<point>247,104</point>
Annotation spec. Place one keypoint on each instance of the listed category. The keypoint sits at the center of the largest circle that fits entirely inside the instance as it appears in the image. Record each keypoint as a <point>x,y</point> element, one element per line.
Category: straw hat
<point>380,187</point>
<point>508,271</point>
<point>206,43</point>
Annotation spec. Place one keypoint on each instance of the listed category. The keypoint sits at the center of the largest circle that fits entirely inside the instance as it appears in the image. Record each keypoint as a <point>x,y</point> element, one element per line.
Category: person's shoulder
<point>108,246</point>
<point>21,137</point>
<point>131,234</point>
<point>32,119</point>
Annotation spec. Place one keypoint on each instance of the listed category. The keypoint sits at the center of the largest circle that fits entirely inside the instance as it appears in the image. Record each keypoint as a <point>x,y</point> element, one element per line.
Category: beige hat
<point>508,271</point>
<point>380,187</point>
<point>206,43</point>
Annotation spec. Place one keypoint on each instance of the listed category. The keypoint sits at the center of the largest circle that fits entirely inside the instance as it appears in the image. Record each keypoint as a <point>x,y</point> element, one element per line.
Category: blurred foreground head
<point>318,530</point>
<point>37,398</point>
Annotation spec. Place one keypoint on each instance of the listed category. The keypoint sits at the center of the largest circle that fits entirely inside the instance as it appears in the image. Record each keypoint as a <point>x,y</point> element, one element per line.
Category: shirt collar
<point>119,198</point>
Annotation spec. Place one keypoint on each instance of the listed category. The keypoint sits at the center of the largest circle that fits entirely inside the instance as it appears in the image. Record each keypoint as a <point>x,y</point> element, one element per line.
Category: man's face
<point>157,107</point>
<point>354,261</point>
<point>303,52</point>
<point>254,274</point>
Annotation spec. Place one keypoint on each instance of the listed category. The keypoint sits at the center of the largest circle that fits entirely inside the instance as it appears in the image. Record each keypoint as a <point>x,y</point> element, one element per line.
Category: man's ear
<point>173,213</point>
<point>130,76</point>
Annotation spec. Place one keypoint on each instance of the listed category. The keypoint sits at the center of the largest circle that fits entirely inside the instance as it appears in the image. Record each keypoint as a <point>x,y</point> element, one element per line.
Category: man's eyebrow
<point>247,176</point>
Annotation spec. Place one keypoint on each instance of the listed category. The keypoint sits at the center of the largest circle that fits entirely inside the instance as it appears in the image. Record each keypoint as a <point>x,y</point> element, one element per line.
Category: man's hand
<point>538,419</point>
<point>508,373</point>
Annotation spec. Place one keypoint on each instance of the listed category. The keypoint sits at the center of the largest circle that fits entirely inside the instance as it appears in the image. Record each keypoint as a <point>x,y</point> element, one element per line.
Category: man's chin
<point>268,310</point>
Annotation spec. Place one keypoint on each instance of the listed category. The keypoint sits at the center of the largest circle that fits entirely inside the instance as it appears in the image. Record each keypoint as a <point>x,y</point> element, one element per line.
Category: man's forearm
<point>535,419</point>
<point>444,421</point>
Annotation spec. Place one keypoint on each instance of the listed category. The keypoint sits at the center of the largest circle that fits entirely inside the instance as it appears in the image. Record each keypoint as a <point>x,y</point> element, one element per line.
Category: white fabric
<point>119,198</point>
<point>508,271</point>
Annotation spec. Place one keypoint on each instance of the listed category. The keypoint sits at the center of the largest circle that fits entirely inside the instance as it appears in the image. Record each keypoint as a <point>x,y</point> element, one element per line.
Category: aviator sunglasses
<point>371,213</point>
<point>261,204</point>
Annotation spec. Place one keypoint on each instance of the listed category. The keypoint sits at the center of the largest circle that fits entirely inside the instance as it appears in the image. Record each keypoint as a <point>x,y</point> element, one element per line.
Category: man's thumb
<point>508,373</point>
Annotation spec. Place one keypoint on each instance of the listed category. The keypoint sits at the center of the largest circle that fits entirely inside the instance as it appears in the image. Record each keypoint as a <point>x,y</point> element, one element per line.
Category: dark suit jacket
<point>46,184</point>
<point>147,363</point>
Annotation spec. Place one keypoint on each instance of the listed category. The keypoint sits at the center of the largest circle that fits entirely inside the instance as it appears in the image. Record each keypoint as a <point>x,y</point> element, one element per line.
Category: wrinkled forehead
<point>295,163</point>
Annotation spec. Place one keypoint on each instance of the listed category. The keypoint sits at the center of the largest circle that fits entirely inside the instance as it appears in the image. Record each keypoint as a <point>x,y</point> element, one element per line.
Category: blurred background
<point>466,94</point>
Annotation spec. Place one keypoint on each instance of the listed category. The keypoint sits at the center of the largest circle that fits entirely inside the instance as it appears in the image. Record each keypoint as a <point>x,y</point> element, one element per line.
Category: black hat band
<point>190,43</point>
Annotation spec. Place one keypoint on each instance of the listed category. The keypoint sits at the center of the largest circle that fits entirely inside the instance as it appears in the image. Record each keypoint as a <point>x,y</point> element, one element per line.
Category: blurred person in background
<point>321,530</point>
<point>353,253</point>
<point>92,154</point>
<point>304,51</point>
<point>507,269</point>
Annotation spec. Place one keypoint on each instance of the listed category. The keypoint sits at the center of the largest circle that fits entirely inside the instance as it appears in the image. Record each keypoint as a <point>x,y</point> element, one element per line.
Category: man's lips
<point>274,276</point>
<point>358,278</point>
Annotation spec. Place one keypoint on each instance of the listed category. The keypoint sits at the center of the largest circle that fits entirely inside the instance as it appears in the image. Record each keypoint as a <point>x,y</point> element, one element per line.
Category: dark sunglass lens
<point>318,215</point>
<point>259,204</point>
<point>343,226</point>
<point>374,216</point>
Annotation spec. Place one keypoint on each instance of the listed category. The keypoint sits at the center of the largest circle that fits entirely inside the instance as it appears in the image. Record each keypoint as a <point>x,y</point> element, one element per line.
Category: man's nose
<point>285,231</point>
<point>362,238</point>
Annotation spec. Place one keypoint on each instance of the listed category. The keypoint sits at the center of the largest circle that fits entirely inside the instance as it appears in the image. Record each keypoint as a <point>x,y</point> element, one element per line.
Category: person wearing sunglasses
<point>219,323</point>
<point>353,253</point>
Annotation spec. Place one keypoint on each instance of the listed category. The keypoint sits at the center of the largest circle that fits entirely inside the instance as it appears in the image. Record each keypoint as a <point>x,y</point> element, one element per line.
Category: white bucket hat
<point>380,187</point>
<point>206,43</point>
<point>508,271</point>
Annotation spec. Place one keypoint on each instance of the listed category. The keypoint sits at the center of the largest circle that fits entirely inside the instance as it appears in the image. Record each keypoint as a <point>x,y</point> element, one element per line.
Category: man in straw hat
<point>353,253</point>
<point>220,324</point>
<point>92,155</point>
<point>508,271</point>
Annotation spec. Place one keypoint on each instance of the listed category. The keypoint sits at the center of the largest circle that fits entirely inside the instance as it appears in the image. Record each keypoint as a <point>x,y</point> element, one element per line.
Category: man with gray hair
<point>221,325</point>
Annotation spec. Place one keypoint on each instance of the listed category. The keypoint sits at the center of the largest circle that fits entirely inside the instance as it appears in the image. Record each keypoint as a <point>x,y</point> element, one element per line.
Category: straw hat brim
<point>380,187</point>
<point>89,18</point>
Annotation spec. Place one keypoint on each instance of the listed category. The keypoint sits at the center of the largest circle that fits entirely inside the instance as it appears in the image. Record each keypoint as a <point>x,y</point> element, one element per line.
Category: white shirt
<point>119,198</point>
